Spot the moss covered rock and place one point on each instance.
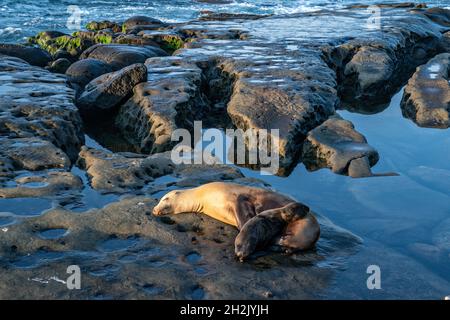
(102, 25)
(54, 41)
(168, 41)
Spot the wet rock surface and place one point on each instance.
(38, 104)
(33, 154)
(41, 185)
(60, 65)
(124, 241)
(275, 84)
(338, 146)
(372, 67)
(120, 172)
(426, 99)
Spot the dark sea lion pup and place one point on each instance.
(262, 229)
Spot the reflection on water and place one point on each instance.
(25, 206)
(402, 213)
(89, 197)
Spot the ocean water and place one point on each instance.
(23, 18)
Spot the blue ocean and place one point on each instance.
(24, 18)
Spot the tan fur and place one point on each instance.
(219, 200)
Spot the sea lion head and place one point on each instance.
(294, 211)
(167, 204)
(301, 234)
(244, 245)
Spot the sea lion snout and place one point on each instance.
(243, 247)
(165, 205)
(162, 209)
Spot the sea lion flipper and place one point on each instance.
(245, 210)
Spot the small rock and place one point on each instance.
(336, 144)
(59, 66)
(102, 25)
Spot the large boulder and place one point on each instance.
(273, 96)
(171, 98)
(84, 71)
(426, 99)
(109, 90)
(336, 145)
(32, 55)
(119, 56)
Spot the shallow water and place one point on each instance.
(21, 19)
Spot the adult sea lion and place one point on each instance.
(236, 204)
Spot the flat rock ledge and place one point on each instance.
(124, 252)
(426, 99)
(38, 105)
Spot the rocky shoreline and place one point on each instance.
(145, 79)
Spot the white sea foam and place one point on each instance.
(10, 31)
